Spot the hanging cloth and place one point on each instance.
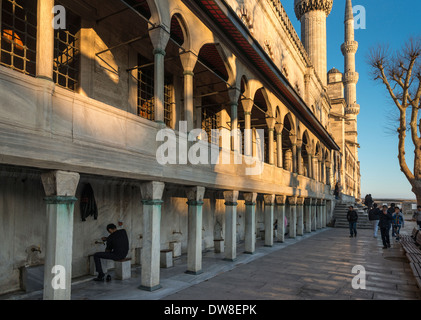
(87, 203)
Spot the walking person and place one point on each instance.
(417, 216)
(385, 220)
(352, 218)
(373, 216)
(398, 222)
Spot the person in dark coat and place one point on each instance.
(352, 218)
(373, 216)
(385, 221)
(116, 249)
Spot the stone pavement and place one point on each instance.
(315, 266)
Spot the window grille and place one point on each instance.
(146, 94)
(67, 53)
(168, 102)
(210, 120)
(19, 35)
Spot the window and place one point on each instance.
(66, 53)
(146, 93)
(210, 120)
(19, 35)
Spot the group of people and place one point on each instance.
(384, 219)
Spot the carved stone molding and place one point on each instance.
(301, 7)
(349, 47)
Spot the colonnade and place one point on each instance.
(304, 215)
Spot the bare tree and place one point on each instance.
(401, 74)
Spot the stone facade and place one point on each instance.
(93, 113)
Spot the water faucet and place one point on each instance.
(36, 249)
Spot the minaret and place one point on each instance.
(312, 15)
(349, 48)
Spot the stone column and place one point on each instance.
(151, 250)
(324, 214)
(300, 216)
(299, 157)
(269, 204)
(248, 136)
(231, 198)
(194, 242)
(271, 135)
(314, 215)
(159, 38)
(60, 189)
(234, 95)
(280, 205)
(250, 221)
(279, 128)
(45, 40)
(319, 214)
(294, 158)
(292, 220)
(188, 60)
(307, 215)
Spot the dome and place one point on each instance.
(333, 70)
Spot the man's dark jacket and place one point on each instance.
(373, 214)
(352, 216)
(385, 220)
(118, 243)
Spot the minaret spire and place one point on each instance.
(350, 79)
(349, 49)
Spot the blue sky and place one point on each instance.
(388, 22)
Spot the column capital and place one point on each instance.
(300, 201)
(292, 201)
(280, 200)
(231, 197)
(60, 183)
(250, 198)
(188, 61)
(247, 105)
(152, 191)
(195, 193)
(269, 199)
(159, 38)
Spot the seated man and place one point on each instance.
(117, 249)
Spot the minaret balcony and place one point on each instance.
(351, 77)
(349, 47)
(302, 7)
(352, 109)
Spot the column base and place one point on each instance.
(194, 273)
(150, 289)
(248, 252)
(268, 245)
(230, 260)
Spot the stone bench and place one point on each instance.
(412, 246)
(123, 269)
(166, 260)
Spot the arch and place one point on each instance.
(178, 30)
(288, 134)
(306, 153)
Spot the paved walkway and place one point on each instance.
(315, 266)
